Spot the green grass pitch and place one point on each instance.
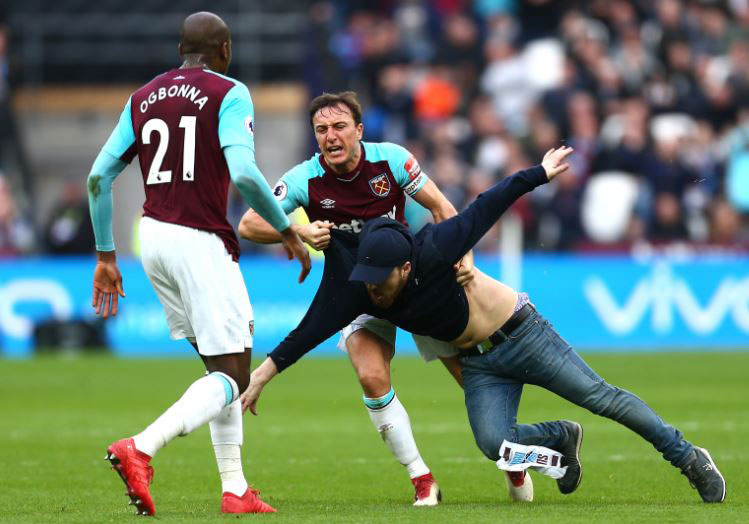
(316, 458)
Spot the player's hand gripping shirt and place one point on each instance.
(377, 187)
(178, 125)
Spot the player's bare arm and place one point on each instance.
(256, 228)
(253, 227)
(431, 198)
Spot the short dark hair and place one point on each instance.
(347, 98)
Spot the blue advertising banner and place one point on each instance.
(595, 302)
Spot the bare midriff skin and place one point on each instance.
(490, 305)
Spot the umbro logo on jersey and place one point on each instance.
(180, 77)
(380, 185)
(327, 203)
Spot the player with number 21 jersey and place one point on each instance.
(183, 119)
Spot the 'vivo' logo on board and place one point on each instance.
(666, 295)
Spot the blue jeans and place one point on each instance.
(535, 354)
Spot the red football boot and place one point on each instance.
(427, 491)
(132, 466)
(248, 503)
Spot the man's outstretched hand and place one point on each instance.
(263, 374)
(553, 162)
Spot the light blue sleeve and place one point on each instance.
(236, 115)
(405, 168)
(292, 190)
(123, 136)
(105, 169)
(253, 187)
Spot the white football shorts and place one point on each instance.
(429, 348)
(199, 286)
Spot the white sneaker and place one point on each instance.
(427, 491)
(520, 486)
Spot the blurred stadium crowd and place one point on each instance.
(653, 96)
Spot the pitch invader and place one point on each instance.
(346, 184)
(192, 130)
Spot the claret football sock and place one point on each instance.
(203, 401)
(390, 418)
(227, 437)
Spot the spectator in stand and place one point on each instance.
(16, 233)
(668, 224)
(487, 142)
(712, 36)
(460, 49)
(10, 139)
(670, 23)
(393, 102)
(738, 76)
(437, 96)
(685, 93)
(583, 134)
(447, 172)
(68, 230)
(665, 171)
(632, 59)
(630, 149)
(506, 82)
(725, 227)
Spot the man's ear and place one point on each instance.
(406, 267)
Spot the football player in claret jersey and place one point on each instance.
(347, 183)
(192, 130)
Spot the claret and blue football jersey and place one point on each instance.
(377, 187)
(178, 125)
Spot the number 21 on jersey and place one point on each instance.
(155, 174)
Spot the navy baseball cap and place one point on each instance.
(380, 250)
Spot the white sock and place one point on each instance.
(227, 437)
(390, 418)
(203, 401)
